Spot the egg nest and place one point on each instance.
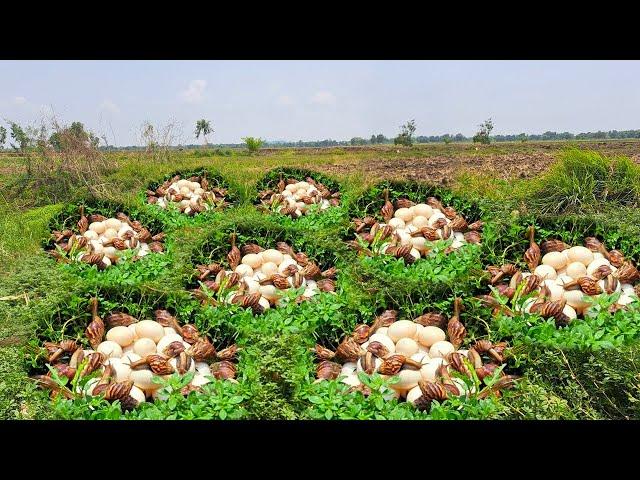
(408, 230)
(259, 278)
(191, 196)
(101, 241)
(562, 282)
(296, 198)
(130, 355)
(415, 351)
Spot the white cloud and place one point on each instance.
(109, 107)
(323, 98)
(194, 92)
(285, 100)
(19, 100)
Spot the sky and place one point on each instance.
(315, 100)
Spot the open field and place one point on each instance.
(587, 370)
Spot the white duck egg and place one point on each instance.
(109, 234)
(423, 210)
(563, 279)
(428, 371)
(408, 379)
(121, 335)
(199, 380)
(401, 329)
(144, 346)
(407, 347)
(405, 238)
(143, 379)
(137, 394)
(383, 330)
(264, 303)
(113, 223)
(90, 235)
(420, 221)
(285, 263)
(150, 329)
(546, 272)
(421, 357)
(431, 335)
(580, 254)
(576, 270)
(123, 370)
(254, 260)
(556, 290)
(404, 214)
(557, 260)
(441, 349)
(110, 349)
(576, 299)
(625, 299)
(351, 380)
(252, 285)
(570, 312)
(269, 268)
(132, 329)
(349, 368)
(98, 227)
(414, 394)
(270, 292)
(397, 223)
(627, 288)
(244, 270)
(273, 256)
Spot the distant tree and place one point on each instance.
(405, 137)
(446, 138)
(459, 138)
(522, 137)
(253, 144)
(380, 138)
(203, 127)
(75, 133)
(484, 132)
(3, 137)
(20, 137)
(358, 141)
(373, 140)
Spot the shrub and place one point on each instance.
(585, 182)
(253, 144)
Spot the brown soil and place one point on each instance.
(441, 169)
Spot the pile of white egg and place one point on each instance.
(293, 194)
(558, 269)
(126, 345)
(101, 235)
(260, 267)
(427, 345)
(188, 195)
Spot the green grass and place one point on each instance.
(587, 371)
